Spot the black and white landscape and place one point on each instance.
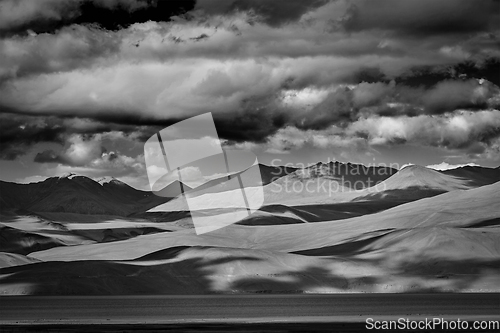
(376, 124)
(417, 230)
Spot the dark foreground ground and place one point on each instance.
(194, 328)
(244, 313)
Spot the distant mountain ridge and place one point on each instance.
(476, 175)
(349, 175)
(419, 176)
(268, 174)
(77, 194)
(72, 193)
(305, 186)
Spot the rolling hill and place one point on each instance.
(408, 184)
(348, 175)
(422, 177)
(319, 183)
(433, 244)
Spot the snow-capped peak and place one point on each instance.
(69, 175)
(446, 166)
(107, 179)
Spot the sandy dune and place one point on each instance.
(303, 188)
(13, 259)
(419, 176)
(25, 234)
(178, 270)
(23, 242)
(411, 183)
(446, 243)
(454, 209)
(195, 270)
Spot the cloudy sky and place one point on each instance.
(83, 83)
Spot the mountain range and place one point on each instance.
(108, 196)
(76, 194)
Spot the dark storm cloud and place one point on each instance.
(254, 120)
(39, 16)
(428, 76)
(261, 67)
(488, 69)
(11, 153)
(423, 17)
(253, 126)
(259, 117)
(424, 76)
(369, 75)
(345, 105)
(18, 133)
(451, 95)
(456, 130)
(391, 99)
(48, 156)
(273, 13)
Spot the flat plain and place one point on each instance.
(245, 308)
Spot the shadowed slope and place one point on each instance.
(23, 242)
(419, 176)
(455, 209)
(474, 175)
(282, 214)
(76, 194)
(319, 183)
(268, 174)
(419, 246)
(202, 270)
(408, 184)
(173, 190)
(25, 234)
(179, 270)
(340, 183)
(13, 259)
(415, 182)
(349, 175)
